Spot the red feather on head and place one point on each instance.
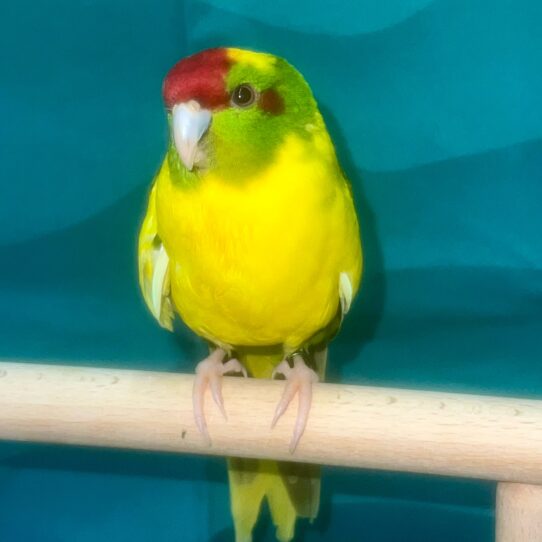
(199, 77)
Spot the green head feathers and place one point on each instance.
(230, 109)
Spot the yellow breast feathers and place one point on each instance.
(263, 262)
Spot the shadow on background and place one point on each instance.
(361, 323)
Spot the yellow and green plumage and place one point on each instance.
(257, 247)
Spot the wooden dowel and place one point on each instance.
(441, 433)
(518, 513)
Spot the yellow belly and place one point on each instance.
(258, 263)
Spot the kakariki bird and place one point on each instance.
(251, 237)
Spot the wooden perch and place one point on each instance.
(430, 432)
(484, 437)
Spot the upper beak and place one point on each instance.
(190, 122)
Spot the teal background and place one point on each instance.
(435, 109)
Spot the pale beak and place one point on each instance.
(190, 122)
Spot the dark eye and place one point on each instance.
(243, 95)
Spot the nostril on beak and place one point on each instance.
(193, 105)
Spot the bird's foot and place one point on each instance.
(299, 379)
(209, 372)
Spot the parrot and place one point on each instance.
(251, 237)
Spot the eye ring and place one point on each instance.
(243, 95)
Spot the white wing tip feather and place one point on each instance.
(346, 292)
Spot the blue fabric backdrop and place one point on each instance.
(435, 109)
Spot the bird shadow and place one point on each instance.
(361, 324)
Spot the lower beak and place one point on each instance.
(190, 122)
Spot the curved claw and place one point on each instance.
(300, 379)
(197, 404)
(209, 372)
(215, 383)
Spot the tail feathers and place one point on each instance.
(292, 490)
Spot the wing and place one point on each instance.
(153, 261)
